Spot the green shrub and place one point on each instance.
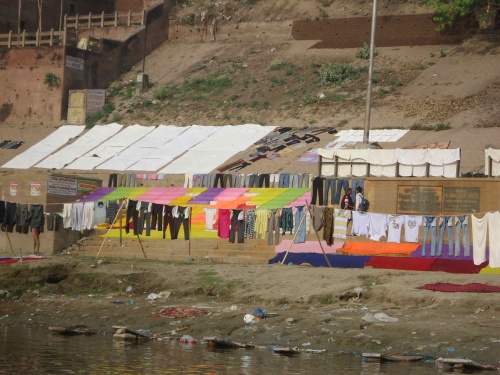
(277, 81)
(289, 68)
(364, 52)
(93, 119)
(166, 92)
(336, 73)
(108, 108)
(310, 99)
(51, 80)
(435, 128)
(212, 84)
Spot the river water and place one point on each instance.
(37, 351)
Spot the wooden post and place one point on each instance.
(65, 36)
(317, 235)
(102, 20)
(129, 17)
(111, 227)
(490, 165)
(90, 20)
(116, 18)
(143, 19)
(76, 21)
(37, 38)
(51, 43)
(12, 249)
(65, 21)
(23, 38)
(9, 42)
(121, 227)
(142, 248)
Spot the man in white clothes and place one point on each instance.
(359, 197)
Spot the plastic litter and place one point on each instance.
(385, 318)
(154, 296)
(259, 314)
(248, 318)
(128, 289)
(188, 339)
(378, 317)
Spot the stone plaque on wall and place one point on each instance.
(461, 200)
(423, 200)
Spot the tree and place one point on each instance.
(448, 10)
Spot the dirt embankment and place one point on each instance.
(309, 307)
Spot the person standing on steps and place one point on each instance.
(359, 197)
(347, 203)
(36, 222)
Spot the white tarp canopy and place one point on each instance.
(82, 145)
(494, 154)
(110, 148)
(144, 148)
(215, 150)
(412, 162)
(44, 148)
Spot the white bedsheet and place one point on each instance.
(143, 148)
(215, 150)
(82, 145)
(44, 148)
(177, 146)
(110, 148)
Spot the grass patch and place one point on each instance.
(210, 85)
(436, 128)
(277, 81)
(337, 73)
(310, 99)
(289, 68)
(166, 92)
(364, 52)
(211, 284)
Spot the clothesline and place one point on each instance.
(257, 207)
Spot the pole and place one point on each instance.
(366, 133)
(19, 17)
(145, 41)
(111, 227)
(61, 16)
(11, 248)
(293, 239)
(142, 248)
(40, 5)
(121, 228)
(317, 235)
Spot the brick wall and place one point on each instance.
(390, 31)
(25, 97)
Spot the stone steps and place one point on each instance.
(255, 251)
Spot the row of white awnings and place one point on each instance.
(390, 162)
